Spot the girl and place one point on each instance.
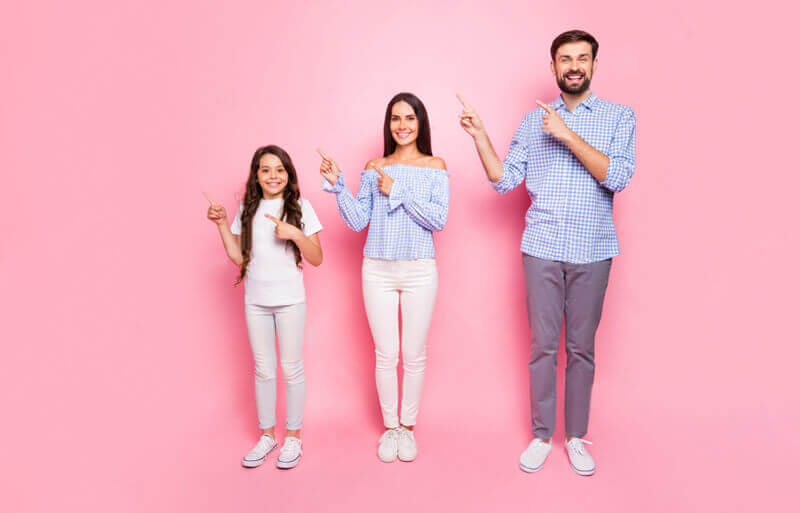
(403, 197)
(272, 232)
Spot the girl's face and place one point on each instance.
(403, 124)
(272, 176)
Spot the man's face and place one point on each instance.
(574, 67)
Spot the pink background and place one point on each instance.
(126, 378)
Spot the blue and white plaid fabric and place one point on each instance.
(400, 224)
(569, 219)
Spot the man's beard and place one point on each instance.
(579, 89)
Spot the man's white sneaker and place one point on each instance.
(407, 450)
(532, 458)
(290, 453)
(579, 458)
(257, 454)
(388, 446)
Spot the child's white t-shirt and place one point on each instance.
(273, 278)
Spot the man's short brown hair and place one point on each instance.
(572, 36)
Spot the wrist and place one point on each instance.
(569, 137)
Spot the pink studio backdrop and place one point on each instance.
(127, 382)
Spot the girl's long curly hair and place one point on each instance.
(292, 213)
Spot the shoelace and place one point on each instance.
(291, 446)
(405, 434)
(536, 444)
(263, 443)
(578, 447)
(389, 433)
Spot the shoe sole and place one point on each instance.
(406, 459)
(585, 473)
(286, 465)
(531, 470)
(256, 463)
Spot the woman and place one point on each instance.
(271, 234)
(403, 197)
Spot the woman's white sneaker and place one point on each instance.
(257, 454)
(533, 457)
(388, 446)
(407, 446)
(579, 458)
(290, 453)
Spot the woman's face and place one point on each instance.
(272, 176)
(403, 124)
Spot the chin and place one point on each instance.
(405, 142)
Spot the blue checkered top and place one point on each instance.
(400, 224)
(569, 219)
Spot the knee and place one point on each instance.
(293, 371)
(386, 359)
(580, 348)
(579, 352)
(543, 349)
(263, 370)
(414, 361)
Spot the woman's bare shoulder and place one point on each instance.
(376, 162)
(435, 162)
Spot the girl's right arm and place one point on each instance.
(232, 243)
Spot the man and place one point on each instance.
(573, 155)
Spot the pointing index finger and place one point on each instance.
(210, 201)
(545, 106)
(322, 154)
(272, 218)
(463, 101)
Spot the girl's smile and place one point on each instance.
(272, 176)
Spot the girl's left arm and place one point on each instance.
(310, 247)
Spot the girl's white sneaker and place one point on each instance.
(258, 453)
(407, 450)
(290, 453)
(388, 446)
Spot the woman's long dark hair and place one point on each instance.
(423, 126)
(291, 213)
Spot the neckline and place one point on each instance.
(409, 165)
